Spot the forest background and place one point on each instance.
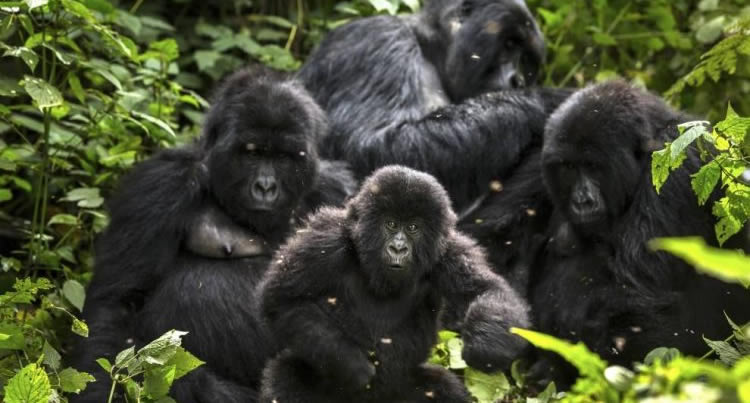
(90, 87)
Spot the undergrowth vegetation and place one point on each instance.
(90, 87)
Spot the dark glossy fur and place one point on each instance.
(352, 331)
(600, 283)
(146, 281)
(420, 92)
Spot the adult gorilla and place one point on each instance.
(598, 282)
(424, 91)
(192, 233)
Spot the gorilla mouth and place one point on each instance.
(396, 267)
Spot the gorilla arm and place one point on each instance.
(491, 306)
(143, 237)
(304, 274)
(397, 113)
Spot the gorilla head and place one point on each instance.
(400, 220)
(259, 141)
(596, 148)
(491, 45)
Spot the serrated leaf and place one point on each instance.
(43, 94)
(704, 181)
(162, 349)
(167, 49)
(660, 163)
(72, 381)
(29, 385)
(184, 362)
(124, 356)
(11, 337)
(51, 356)
(727, 354)
(727, 265)
(74, 293)
(486, 388)
(734, 126)
(80, 328)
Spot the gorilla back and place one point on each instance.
(192, 232)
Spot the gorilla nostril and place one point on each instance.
(517, 81)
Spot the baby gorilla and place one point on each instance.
(354, 298)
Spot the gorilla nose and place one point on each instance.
(265, 189)
(517, 81)
(397, 249)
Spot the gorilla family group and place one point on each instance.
(297, 284)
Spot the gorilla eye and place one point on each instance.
(390, 224)
(412, 228)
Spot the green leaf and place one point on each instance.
(455, 347)
(5, 194)
(690, 131)
(78, 9)
(102, 6)
(733, 126)
(167, 49)
(80, 328)
(124, 356)
(11, 337)
(64, 219)
(724, 264)
(72, 381)
(29, 385)
(486, 388)
(85, 197)
(704, 181)
(604, 39)
(184, 362)
(158, 122)
(27, 55)
(74, 293)
(51, 356)
(206, 59)
(588, 363)
(662, 354)
(43, 94)
(728, 354)
(711, 31)
(32, 4)
(105, 364)
(76, 88)
(159, 351)
(619, 377)
(156, 381)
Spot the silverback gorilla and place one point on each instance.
(597, 281)
(192, 233)
(427, 91)
(353, 299)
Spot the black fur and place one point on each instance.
(157, 266)
(597, 280)
(432, 92)
(354, 330)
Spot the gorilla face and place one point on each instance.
(261, 154)
(401, 217)
(494, 45)
(593, 156)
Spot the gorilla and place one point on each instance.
(596, 280)
(353, 299)
(193, 229)
(443, 91)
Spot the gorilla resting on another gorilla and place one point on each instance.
(353, 298)
(192, 233)
(597, 281)
(425, 91)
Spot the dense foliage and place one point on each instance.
(89, 87)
